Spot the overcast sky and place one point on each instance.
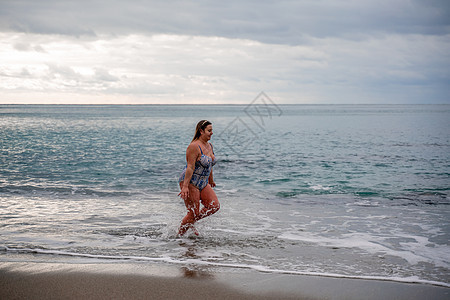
(312, 51)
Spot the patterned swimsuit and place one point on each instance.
(202, 169)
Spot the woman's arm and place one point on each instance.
(211, 179)
(191, 158)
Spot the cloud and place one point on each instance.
(164, 68)
(281, 22)
(339, 51)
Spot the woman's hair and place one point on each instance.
(200, 126)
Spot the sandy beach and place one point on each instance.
(134, 280)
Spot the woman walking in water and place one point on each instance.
(196, 181)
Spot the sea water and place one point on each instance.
(358, 191)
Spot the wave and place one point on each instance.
(193, 261)
(407, 198)
(55, 190)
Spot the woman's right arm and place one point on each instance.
(191, 158)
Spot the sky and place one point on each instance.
(224, 52)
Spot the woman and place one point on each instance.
(196, 181)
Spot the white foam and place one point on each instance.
(413, 252)
(260, 268)
(438, 254)
(365, 203)
(229, 230)
(319, 187)
(228, 191)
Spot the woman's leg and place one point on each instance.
(210, 202)
(193, 207)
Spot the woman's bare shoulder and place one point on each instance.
(193, 144)
(193, 147)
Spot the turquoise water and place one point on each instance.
(337, 190)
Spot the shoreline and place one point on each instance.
(141, 280)
(42, 255)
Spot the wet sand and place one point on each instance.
(134, 280)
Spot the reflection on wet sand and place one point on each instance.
(194, 271)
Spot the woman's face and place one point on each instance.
(207, 132)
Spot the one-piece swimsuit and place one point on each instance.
(202, 169)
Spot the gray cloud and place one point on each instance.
(28, 47)
(340, 51)
(285, 22)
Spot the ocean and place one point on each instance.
(355, 191)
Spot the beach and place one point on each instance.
(134, 280)
(323, 202)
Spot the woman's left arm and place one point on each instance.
(211, 179)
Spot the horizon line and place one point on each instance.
(211, 104)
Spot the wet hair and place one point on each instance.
(200, 126)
